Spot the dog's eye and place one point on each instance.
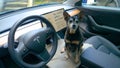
(70, 21)
(76, 21)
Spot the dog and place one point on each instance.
(73, 38)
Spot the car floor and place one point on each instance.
(59, 60)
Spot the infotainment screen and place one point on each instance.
(57, 19)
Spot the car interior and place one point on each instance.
(33, 36)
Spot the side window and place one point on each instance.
(107, 3)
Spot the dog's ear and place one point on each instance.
(66, 16)
(80, 15)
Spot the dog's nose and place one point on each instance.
(73, 26)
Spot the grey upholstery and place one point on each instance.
(99, 52)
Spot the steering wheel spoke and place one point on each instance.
(46, 33)
(21, 50)
(44, 56)
(49, 33)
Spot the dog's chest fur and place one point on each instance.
(71, 37)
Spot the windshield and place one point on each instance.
(12, 5)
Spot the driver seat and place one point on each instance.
(98, 52)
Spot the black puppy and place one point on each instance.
(73, 37)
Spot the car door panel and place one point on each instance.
(103, 28)
(103, 21)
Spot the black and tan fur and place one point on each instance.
(73, 38)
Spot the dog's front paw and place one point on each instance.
(63, 50)
(77, 60)
(78, 65)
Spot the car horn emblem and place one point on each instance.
(37, 39)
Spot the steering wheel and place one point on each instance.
(32, 42)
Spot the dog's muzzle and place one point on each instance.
(73, 26)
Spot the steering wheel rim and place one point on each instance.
(16, 55)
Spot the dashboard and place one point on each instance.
(54, 16)
(57, 19)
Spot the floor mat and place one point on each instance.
(59, 60)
